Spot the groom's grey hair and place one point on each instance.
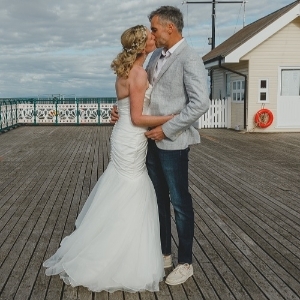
(169, 14)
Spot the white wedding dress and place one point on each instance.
(116, 244)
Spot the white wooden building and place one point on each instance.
(259, 67)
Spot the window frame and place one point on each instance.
(281, 69)
(238, 91)
(262, 90)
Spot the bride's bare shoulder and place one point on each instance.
(137, 73)
(122, 87)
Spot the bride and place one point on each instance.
(116, 244)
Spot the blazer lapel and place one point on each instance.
(151, 67)
(170, 60)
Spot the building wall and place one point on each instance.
(219, 86)
(280, 50)
(220, 90)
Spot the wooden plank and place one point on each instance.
(65, 222)
(190, 288)
(250, 246)
(147, 296)
(101, 296)
(216, 248)
(116, 296)
(245, 189)
(244, 248)
(84, 294)
(210, 186)
(80, 188)
(59, 195)
(19, 247)
(35, 234)
(259, 211)
(96, 159)
(278, 210)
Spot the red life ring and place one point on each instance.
(263, 118)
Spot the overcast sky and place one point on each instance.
(66, 46)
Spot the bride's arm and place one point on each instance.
(137, 90)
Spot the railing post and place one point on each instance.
(99, 112)
(77, 110)
(10, 121)
(17, 115)
(0, 116)
(6, 115)
(56, 121)
(34, 112)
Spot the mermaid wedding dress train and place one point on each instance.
(116, 244)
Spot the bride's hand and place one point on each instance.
(114, 116)
(155, 134)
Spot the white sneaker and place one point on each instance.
(167, 261)
(180, 274)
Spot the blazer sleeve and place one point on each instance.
(196, 91)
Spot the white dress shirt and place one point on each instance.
(163, 58)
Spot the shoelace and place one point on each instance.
(179, 267)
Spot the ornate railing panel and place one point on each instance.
(105, 109)
(88, 113)
(25, 113)
(8, 114)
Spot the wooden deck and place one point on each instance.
(246, 191)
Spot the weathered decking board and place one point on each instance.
(246, 192)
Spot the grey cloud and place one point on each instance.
(66, 47)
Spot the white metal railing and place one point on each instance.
(55, 111)
(80, 113)
(8, 114)
(89, 111)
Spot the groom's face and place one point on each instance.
(160, 32)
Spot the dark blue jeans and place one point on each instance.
(168, 170)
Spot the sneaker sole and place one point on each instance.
(176, 283)
(168, 266)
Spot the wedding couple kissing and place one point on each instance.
(122, 239)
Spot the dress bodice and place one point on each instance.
(124, 104)
(128, 142)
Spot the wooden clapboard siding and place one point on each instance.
(265, 61)
(246, 193)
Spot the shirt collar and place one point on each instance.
(172, 49)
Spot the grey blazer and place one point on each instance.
(180, 88)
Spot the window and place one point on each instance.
(263, 91)
(290, 82)
(238, 90)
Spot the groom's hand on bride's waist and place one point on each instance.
(155, 134)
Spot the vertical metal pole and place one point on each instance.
(213, 42)
(213, 38)
(244, 20)
(213, 18)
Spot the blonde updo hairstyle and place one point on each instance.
(133, 41)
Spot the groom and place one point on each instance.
(179, 87)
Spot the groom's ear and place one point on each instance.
(170, 27)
